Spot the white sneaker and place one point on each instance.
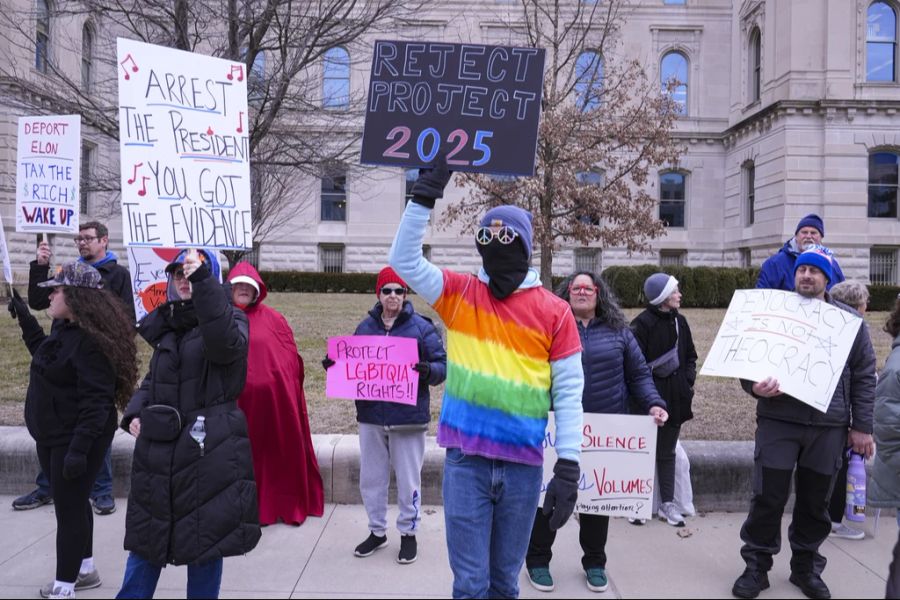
(59, 592)
(839, 530)
(668, 512)
(636, 521)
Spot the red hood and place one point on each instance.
(247, 270)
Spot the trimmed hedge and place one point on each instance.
(883, 297)
(304, 281)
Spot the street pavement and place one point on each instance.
(316, 560)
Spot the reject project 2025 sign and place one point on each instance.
(481, 103)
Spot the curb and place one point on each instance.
(720, 471)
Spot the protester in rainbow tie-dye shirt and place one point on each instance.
(513, 350)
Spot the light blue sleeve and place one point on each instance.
(406, 254)
(567, 383)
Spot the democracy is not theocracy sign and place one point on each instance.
(480, 103)
(184, 146)
(801, 342)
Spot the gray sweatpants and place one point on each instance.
(380, 450)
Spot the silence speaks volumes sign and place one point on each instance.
(48, 174)
(801, 342)
(185, 152)
(482, 103)
(618, 461)
(373, 367)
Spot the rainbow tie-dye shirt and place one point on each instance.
(497, 392)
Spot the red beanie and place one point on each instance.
(385, 276)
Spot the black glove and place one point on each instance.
(432, 181)
(562, 492)
(327, 363)
(423, 368)
(17, 307)
(74, 465)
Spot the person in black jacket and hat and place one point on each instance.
(193, 497)
(79, 374)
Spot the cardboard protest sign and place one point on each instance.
(373, 367)
(801, 342)
(48, 174)
(482, 102)
(185, 152)
(618, 462)
(4, 254)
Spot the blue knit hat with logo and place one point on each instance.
(818, 257)
(517, 219)
(811, 220)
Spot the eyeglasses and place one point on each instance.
(87, 239)
(583, 289)
(505, 234)
(178, 275)
(388, 291)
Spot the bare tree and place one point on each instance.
(605, 125)
(294, 126)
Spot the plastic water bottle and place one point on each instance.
(198, 432)
(856, 488)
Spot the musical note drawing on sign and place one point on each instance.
(134, 67)
(240, 127)
(143, 190)
(240, 72)
(133, 177)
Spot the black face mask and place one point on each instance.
(506, 265)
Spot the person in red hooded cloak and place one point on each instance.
(288, 482)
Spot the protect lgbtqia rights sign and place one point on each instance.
(801, 342)
(373, 367)
(184, 149)
(48, 174)
(480, 102)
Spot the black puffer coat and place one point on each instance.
(185, 508)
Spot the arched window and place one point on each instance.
(87, 57)
(588, 80)
(883, 185)
(881, 42)
(336, 82)
(672, 198)
(41, 35)
(755, 68)
(673, 70)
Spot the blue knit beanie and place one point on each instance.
(811, 220)
(517, 219)
(818, 257)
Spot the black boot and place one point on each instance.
(811, 585)
(750, 584)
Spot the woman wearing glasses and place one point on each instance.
(393, 435)
(614, 371)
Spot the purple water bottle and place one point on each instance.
(856, 488)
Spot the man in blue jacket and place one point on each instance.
(777, 272)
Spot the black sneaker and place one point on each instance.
(408, 549)
(104, 505)
(372, 543)
(750, 584)
(33, 500)
(811, 585)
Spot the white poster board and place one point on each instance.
(618, 462)
(48, 174)
(4, 254)
(147, 267)
(801, 342)
(185, 152)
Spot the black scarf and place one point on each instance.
(506, 265)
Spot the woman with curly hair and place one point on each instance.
(80, 373)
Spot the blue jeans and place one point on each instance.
(102, 485)
(488, 508)
(203, 580)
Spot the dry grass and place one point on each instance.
(722, 410)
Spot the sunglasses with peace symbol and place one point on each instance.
(505, 235)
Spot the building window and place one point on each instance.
(883, 266)
(672, 258)
(332, 258)
(87, 57)
(334, 196)
(672, 199)
(588, 80)
(41, 35)
(881, 42)
(256, 78)
(746, 260)
(749, 177)
(673, 76)
(336, 81)
(87, 160)
(755, 66)
(883, 185)
(426, 252)
(587, 259)
(588, 214)
(410, 178)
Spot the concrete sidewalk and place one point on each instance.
(316, 560)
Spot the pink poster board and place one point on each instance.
(373, 367)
